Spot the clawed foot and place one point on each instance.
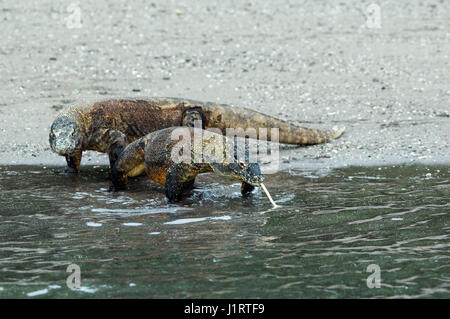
(174, 196)
(246, 189)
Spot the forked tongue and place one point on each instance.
(268, 196)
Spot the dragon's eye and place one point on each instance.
(242, 164)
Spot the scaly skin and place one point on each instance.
(109, 126)
(156, 155)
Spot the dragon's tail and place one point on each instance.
(221, 117)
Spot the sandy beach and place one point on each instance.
(318, 65)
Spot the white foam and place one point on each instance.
(54, 287)
(37, 293)
(138, 211)
(132, 224)
(85, 289)
(93, 224)
(196, 220)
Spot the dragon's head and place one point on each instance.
(240, 170)
(64, 135)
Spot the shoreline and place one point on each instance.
(289, 159)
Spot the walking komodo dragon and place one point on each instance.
(109, 126)
(175, 162)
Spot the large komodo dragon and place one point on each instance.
(109, 126)
(173, 158)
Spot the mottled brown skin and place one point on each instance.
(109, 126)
(153, 154)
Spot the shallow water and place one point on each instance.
(330, 227)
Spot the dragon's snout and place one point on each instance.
(256, 180)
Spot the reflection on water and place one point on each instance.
(330, 227)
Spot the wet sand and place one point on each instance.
(315, 64)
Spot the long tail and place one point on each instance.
(224, 116)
